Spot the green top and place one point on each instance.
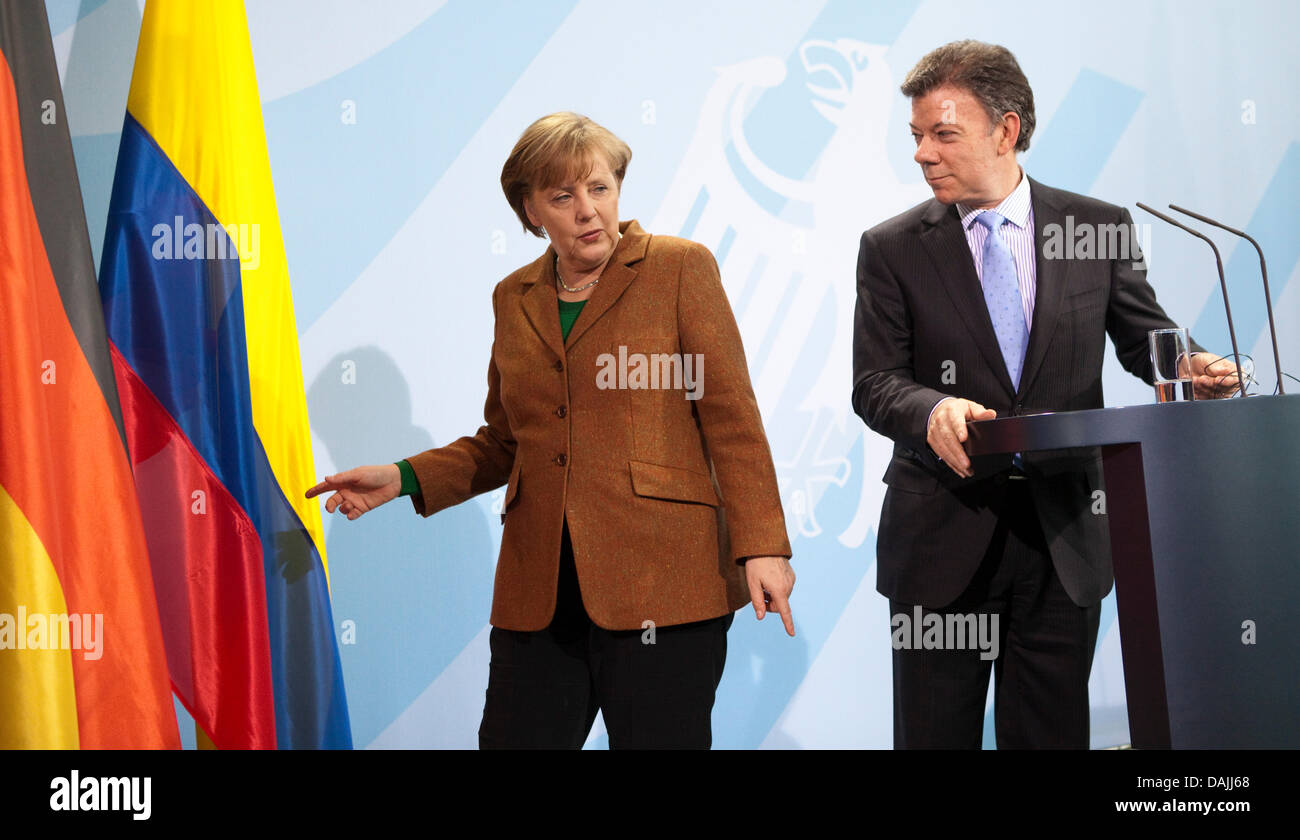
(410, 484)
(569, 310)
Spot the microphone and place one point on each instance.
(1263, 270)
(1223, 284)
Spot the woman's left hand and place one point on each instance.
(770, 581)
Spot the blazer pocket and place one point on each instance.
(654, 363)
(656, 481)
(512, 490)
(1085, 298)
(647, 343)
(908, 475)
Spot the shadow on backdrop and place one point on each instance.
(417, 590)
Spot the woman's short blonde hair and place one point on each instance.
(554, 150)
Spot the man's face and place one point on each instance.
(963, 157)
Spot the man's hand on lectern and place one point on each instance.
(1214, 377)
(947, 431)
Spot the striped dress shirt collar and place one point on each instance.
(1015, 208)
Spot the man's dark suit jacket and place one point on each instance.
(922, 332)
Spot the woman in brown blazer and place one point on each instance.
(641, 506)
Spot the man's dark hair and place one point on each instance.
(990, 72)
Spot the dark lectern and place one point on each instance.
(1203, 503)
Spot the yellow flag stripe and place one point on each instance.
(205, 114)
(37, 691)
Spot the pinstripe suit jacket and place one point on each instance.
(664, 495)
(922, 332)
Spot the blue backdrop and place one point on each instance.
(772, 132)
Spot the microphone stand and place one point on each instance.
(1223, 284)
(1263, 270)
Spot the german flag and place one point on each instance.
(82, 662)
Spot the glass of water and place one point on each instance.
(1171, 364)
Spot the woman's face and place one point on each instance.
(580, 218)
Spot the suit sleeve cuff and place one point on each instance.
(743, 560)
(931, 417)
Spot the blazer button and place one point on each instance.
(559, 365)
(561, 411)
(561, 459)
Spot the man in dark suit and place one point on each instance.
(972, 306)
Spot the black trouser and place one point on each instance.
(545, 687)
(1045, 647)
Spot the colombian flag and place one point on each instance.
(81, 651)
(205, 350)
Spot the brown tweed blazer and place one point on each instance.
(657, 535)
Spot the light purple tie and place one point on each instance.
(1002, 295)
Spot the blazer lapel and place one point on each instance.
(1051, 280)
(945, 241)
(539, 302)
(614, 280)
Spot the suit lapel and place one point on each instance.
(945, 242)
(1051, 280)
(614, 280)
(539, 302)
